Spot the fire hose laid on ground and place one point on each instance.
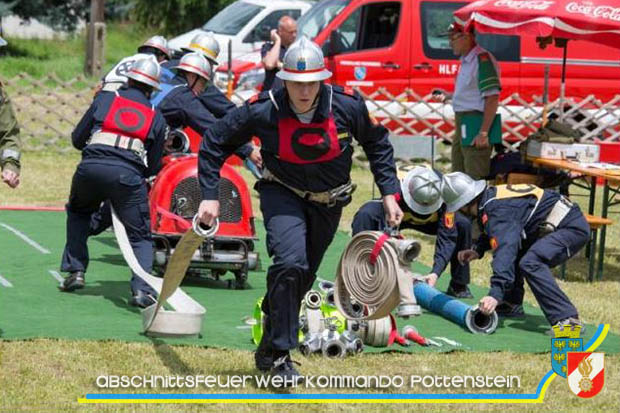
(186, 316)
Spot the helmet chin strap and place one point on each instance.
(194, 84)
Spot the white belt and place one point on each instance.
(119, 141)
(557, 214)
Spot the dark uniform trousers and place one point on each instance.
(371, 217)
(298, 234)
(126, 190)
(539, 255)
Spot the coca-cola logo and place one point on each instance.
(597, 12)
(527, 4)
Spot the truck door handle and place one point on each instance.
(423, 66)
(390, 65)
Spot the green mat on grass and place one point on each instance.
(31, 306)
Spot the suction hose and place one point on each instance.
(469, 317)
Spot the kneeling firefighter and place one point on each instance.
(529, 230)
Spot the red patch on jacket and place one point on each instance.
(448, 220)
(493, 242)
(253, 99)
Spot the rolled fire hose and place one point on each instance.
(187, 315)
(469, 317)
(374, 272)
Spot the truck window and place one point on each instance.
(260, 33)
(372, 26)
(436, 17)
(233, 18)
(319, 16)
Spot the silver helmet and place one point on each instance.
(303, 62)
(459, 189)
(146, 71)
(421, 190)
(157, 42)
(205, 44)
(195, 63)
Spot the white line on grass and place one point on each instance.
(56, 275)
(4, 282)
(23, 236)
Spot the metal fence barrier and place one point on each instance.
(49, 108)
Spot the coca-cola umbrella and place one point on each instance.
(593, 20)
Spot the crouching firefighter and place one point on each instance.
(424, 211)
(207, 45)
(529, 230)
(121, 137)
(307, 130)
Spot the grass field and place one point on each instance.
(65, 58)
(52, 374)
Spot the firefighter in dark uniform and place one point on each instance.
(181, 107)
(10, 144)
(211, 97)
(529, 230)
(424, 211)
(307, 130)
(121, 137)
(179, 104)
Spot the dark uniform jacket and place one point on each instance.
(509, 225)
(92, 121)
(181, 108)
(311, 157)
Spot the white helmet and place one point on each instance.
(195, 63)
(459, 189)
(303, 62)
(145, 71)
(157, 42)
(421, 190)
(206, 45)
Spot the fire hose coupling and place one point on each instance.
(408, 250)
(374, 272)
(203, 230)
(330, 343)
(313, 300)
(177, 142)
(479, 323)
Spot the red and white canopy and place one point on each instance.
(594, 20)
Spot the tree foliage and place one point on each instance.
(59, 14)
(173, 17)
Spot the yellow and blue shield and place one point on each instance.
(559, 348)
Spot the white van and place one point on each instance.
(246, 22)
